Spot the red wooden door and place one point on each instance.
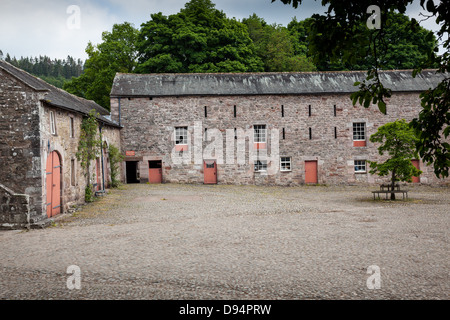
(49, 183)
(210, 172)
(53, 181)
(416, 164)
(155, 171)
(56, 191)
(311, 172)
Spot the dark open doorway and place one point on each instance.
(132, 168)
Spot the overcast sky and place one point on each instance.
(49, 27)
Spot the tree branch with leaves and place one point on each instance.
(398, 140)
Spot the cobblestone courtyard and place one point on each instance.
(236, 242)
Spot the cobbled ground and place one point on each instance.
(173, 241)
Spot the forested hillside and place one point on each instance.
(54, 71)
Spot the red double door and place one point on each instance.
(53, 181)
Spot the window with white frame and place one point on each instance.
(259, 133)
(181, 134)
(260, 165)
(359, 131)
(360, 166)
(52, 123)
(285, 163)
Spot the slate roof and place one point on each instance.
(129, 85)
(57, 97)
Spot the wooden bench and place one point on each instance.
(386, 189)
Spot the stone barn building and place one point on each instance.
(39, 133)
(257, 128)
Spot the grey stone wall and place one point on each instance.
(66, 145)
(25, 143)
(14, 209)
(20, 166)
(149, 125)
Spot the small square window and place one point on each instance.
(259, 133)
(260, 165)
(360, 166)
(285, 163)
(359, 131)
(181, 135)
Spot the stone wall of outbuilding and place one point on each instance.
(149, 124)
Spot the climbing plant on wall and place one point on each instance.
(115, 158)
(88, 149)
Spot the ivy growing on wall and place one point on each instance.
(88, 149)
(115, 158)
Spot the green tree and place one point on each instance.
(117, 53)
(49, 70)
(89, 147)
(398, 140)
(276, 47)
(199, 38)
(340, 35)
(404, 47)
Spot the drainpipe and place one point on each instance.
(119, 110)
(101, 157)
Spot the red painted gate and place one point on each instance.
(53, 181)
(210, 172)
(311, 172)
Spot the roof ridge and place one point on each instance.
(265, 73)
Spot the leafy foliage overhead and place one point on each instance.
(279, 49)
(199, 38)
(117, 53)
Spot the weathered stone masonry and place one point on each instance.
(27, 105)
(316, 104)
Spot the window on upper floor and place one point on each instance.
(259, 133)
(52, 123)
(359, 134)
(181, 134)
(359, 131)
(72, 128)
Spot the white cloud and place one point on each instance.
(40, 28)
